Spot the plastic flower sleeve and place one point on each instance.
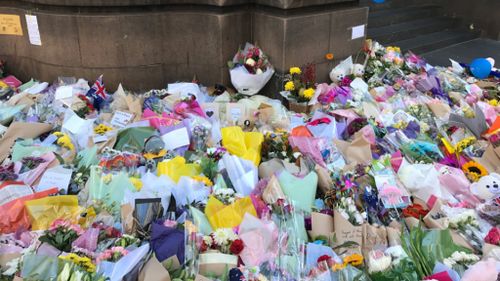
(300, 191)
(242, 173)
(45, 210)
(260, 239)
(39, 267)
(228, 216)
(108, 189)
(246, 145)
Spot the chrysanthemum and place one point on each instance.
(289, 86)
(295, 70)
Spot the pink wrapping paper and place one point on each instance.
(456, 183)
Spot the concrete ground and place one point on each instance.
(465, 52)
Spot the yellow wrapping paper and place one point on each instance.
(177, 167)
(228, 216)
(45, 210)
(246, 145)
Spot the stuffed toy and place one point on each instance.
(337, 74)
(487, 188)
(358, 70)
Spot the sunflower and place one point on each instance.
(474, 171)
(338, 266)
(206, 181)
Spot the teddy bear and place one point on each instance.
(358, 70)
(487, 188)
(338, 74)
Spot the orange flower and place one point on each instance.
(329, 56)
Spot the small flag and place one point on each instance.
(98, 93)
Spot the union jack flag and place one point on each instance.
(98, 93)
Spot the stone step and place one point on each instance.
(399, 15)
(436, 40)
(409, 29)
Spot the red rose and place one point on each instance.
(203, 246)
(236, 247)
(324, 258)
(493, 236)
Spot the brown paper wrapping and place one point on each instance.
(321, 225)
(125, 102)
(490, 159)
(275, 166)
(393, 236)
(153, 270)
(440, 109)
(459, 240)
(441, 223)
(20, 130)
(273, 191)
(299, 107)
(412, 222)
(345, 232)
(23, 98)
(373, 236)
(490, 248)
(325, 182)
(101, 145)
(356, 152)
(127, 219)
(5, 258)
(202, 278)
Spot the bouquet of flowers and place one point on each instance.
(61, 235)
(299, 84)
(250, 70)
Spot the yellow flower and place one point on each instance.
(308, 93)
(338, 266)
(289, 86)
(204, 180)
(295, 70)
(463, 144)
(64, 140)
(389, 49)
(101, 129)
(354, 260)
(397, 49)
(474, 171)
(107, 178)
(493, 102)
(136, 182)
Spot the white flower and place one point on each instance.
(358, 218)
(352, 208)
(344, 214)
(12, 266)
(223, 236)
(250, 62)
(449, 262)
(379, 264)
(207, 240)
(259, 71)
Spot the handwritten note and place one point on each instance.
(121, 119)
(55, 177)
(10, 25)
(33, 31)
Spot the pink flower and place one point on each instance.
(170, 223)
(493, 236)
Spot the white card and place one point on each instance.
(176, 138)
(358, 31)
(64, 92)
(37, 88)
(100, 138)
(55, 177)
(33, 32)
(74, 124)
(235, 113)
(121, 119)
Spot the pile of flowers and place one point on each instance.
(390, 172)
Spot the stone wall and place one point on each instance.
(150, 43)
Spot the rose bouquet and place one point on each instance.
(61, 234)
(250, 70)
